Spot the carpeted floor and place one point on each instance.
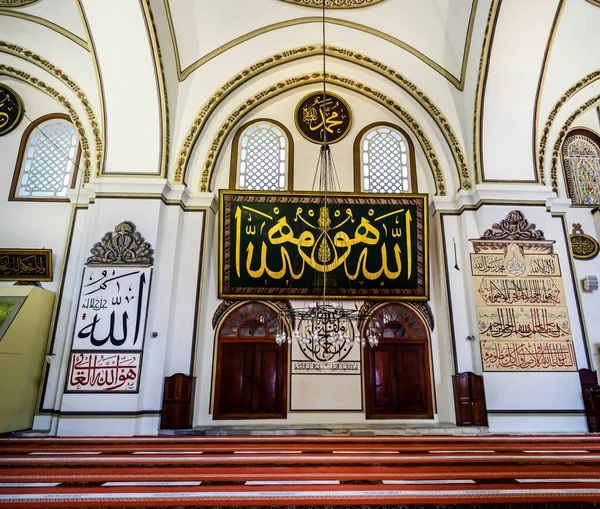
(538, 471)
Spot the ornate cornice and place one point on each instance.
(365, 61)
(513, 227)
(124, 246)
(40, 85)
(333, 4)
(581, 84)
(307, 79)
(30, 56)
(488, 37)
(561, 138)
(162, 87)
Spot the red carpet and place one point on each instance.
(538, 471)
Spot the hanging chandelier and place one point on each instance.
(325, 329)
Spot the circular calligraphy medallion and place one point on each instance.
(584, 247)
(313, 118)
(11, 109)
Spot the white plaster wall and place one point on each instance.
(133, 129)
(574, 52)
(519, 392)
(56, 48)
(443, 42)
(513, 76)
(31, 224)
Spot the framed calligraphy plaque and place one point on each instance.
(11, 109)
(107, 371)
(314, 117)
(583, 246)
(288, 245)
(25, 264)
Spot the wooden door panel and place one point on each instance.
(237, 361)
(412, 398)
(381, 385)
(268, 379)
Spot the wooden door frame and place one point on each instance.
(427, 361)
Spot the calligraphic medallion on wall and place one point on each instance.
(334, 4)
(583, 246)
(284, 245)
(317, 119)
(11, 109)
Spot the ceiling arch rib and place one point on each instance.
(297, 81)
(294, 54)
(47, 24)
(29, 56)
(40, 85)
(457, 81)
(564, 98)
(590, 103)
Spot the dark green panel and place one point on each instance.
(291, 245)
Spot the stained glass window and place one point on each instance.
(253, 319)
(396, 321)
(263, 151)
(48, 157)
(581, 158)
(385, 160)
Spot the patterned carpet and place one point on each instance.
(536, 471)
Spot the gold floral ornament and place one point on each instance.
(124, 246)
(334, 4)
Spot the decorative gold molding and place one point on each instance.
(17, 3)
(486, 49)
(48, 24)
(307, 79)
(594, 2)
(538, 93)
(161, 83)
(30, 56)
(40, 85)
(571, 91)
(99, 83)
(329, 4)
(459, 83)
(335, 52)
(590, 103)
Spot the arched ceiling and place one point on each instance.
(148, 69)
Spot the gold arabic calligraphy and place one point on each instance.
(321, 250)
(316, 117)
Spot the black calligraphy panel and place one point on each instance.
(11, 109)
(316, 118)
(25, 264)
(296, 245)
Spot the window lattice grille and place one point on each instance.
(581, 156)
(263, 158)
(384, 164)
(47, 167)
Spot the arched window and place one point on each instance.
(262, 157)
(581, 160)
(384, 160)
(48, 159)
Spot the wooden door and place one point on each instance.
(251, 369)
(177, 402)
(397, 374)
